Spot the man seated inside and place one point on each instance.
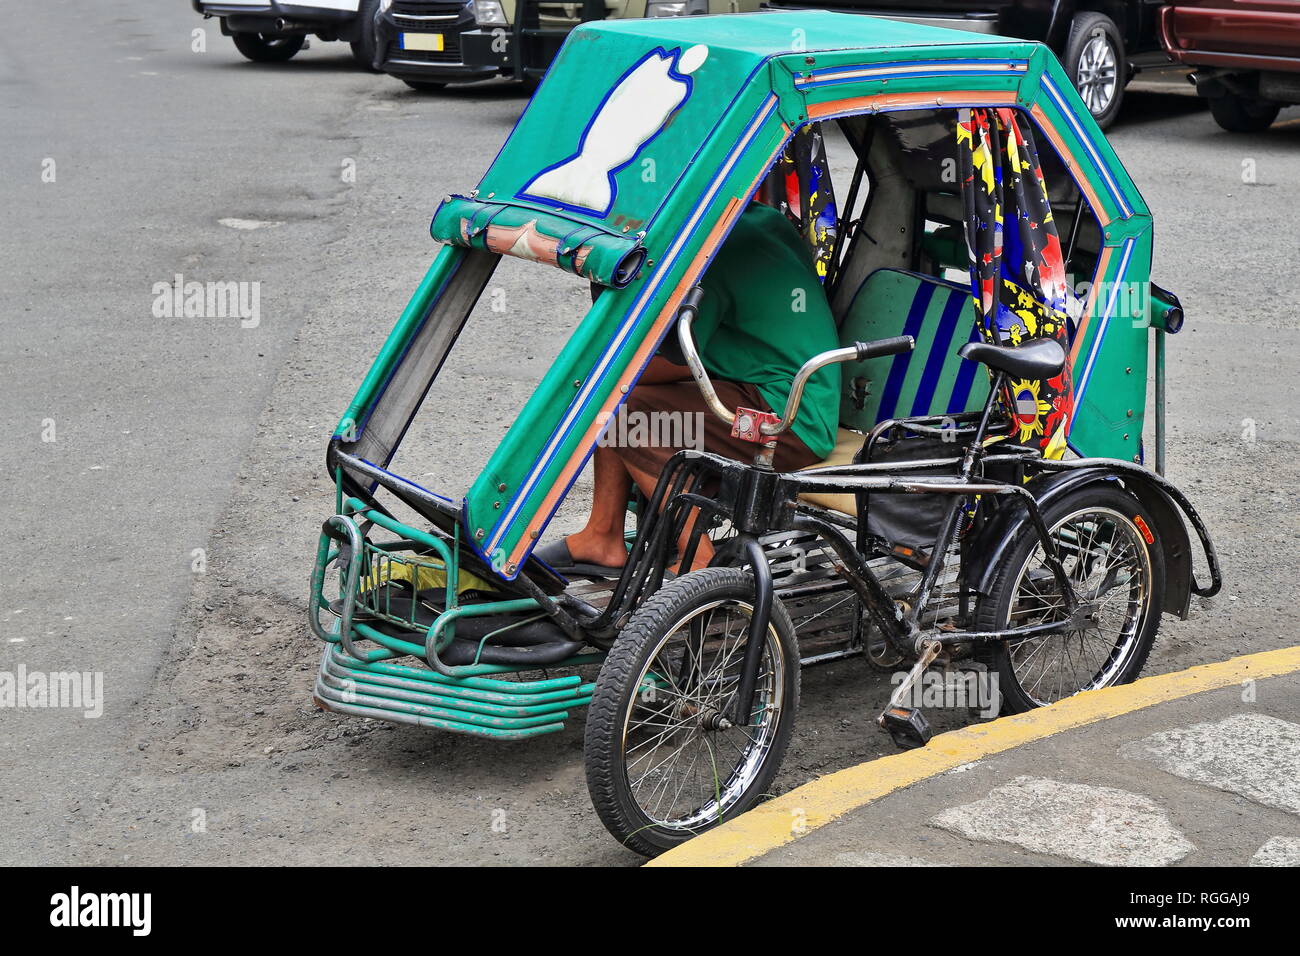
(762, 316)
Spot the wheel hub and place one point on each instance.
(712, 720)
(1096, 74)
(1085, 616)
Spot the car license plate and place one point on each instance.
(423, 41)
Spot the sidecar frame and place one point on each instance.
(768, 76)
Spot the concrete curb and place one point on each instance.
(819, 802)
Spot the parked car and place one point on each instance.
(1246, 56)
(1101, 43)
(272, 31)
(421, 42)
(430, 43)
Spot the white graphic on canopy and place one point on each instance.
(635, 110)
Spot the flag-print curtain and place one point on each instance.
(1017, 272)
(808, 197)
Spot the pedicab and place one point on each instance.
(989, 501)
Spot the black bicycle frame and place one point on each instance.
(757, 501)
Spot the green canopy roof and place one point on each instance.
(599, 56)
(633, 160)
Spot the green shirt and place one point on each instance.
(764, 314)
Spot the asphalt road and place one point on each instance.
(164, 536)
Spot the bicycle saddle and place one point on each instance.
(1034, 360)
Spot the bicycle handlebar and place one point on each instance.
(857, 352)
(895, 346)
(686, 314)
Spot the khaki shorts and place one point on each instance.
(661, 420)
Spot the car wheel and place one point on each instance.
(425, 86)
(261, 48)
(1094, 58)
(1243, 114)
(363, 47)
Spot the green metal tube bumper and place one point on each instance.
(479, 705)
(485, 700)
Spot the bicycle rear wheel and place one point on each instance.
(1116, 564)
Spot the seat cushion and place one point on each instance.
(847, 444)
(1033, 360)
(930, 380)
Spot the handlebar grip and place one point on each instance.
(894, 346)
(691, 302)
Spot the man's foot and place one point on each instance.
(584, 555)
(604, 550)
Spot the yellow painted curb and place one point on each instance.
(817, 803)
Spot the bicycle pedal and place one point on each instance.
(907, 726)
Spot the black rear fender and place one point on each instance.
(1161, 500)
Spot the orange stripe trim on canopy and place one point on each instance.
(1063, 151)
(895, 101)
(1090, 307)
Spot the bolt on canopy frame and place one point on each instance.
(630, 166)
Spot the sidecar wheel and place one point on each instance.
(662, 762)
(1101, 533)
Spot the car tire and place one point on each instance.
(363, 47)
(1243, 114)
(261, 48)
(1097, 65)
(425, 86)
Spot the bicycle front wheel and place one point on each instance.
(665, 758)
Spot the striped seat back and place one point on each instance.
(930, 380)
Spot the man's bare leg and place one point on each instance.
(601, 541)
(704, 550)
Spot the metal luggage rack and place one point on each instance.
(359, 672)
